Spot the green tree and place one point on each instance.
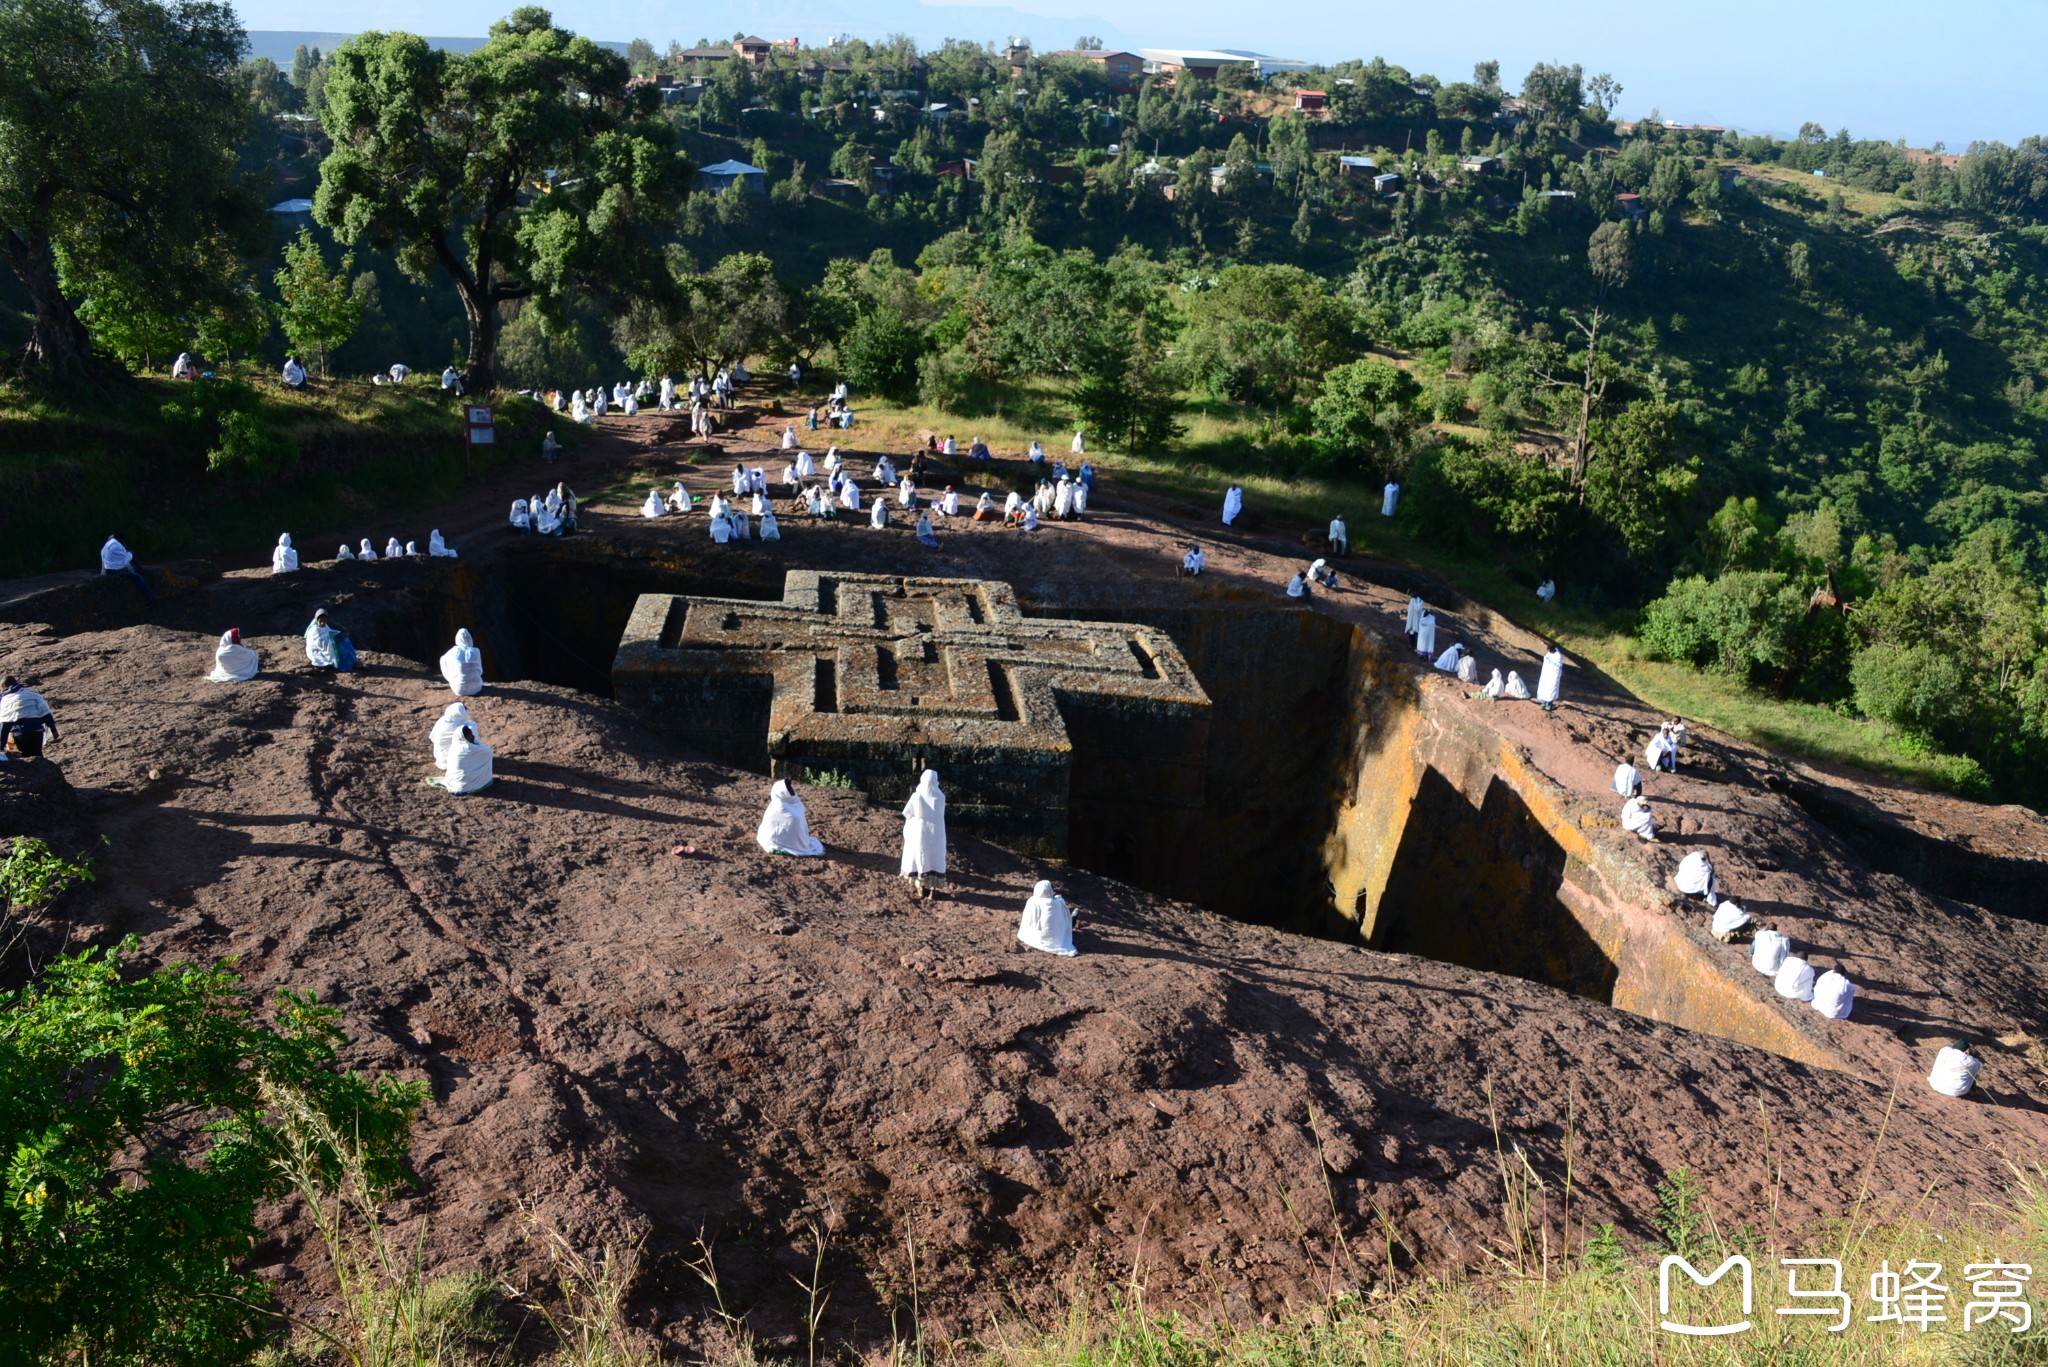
(139, 1141)
(521, 170)
(1640, 484)
(1554, 94)
(705, 322)
(121, 120)
(317, 309)
(1364, 416)
(1266, 334)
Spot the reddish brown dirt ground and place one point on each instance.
(642, 1043)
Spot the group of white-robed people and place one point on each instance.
(1047, 922)
(1420, 626)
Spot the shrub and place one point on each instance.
(1742, 624)
(121, 1219)
(1915, 688)
(880, 354)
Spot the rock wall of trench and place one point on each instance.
(1447, 843)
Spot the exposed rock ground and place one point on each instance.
(635, 1021)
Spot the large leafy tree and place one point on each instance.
(524, 169)
(118, 126)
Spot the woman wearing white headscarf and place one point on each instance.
(1425, 637)
(233, 662)
(468, 768)
(284, 559)
(1636, 819)
(448, 729)
(878, 513)
(392, 550)
(320, 641)
(924, 835)
(366, 551)
(344, 553)
(784, 827)
(1448, 661)
(1046, 923)
(1516, 688)
(521, 519)
(770, 529)
(436, 546)
(654, 506)
(1551, 680)
(1494, 686)
(1233, 504)
(546, 521)
(463, 666)
(849, 495)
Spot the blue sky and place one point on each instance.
(1953, 72)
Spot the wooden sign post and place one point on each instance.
(480, 429)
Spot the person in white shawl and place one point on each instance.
(1425, 636)
(463, 665)
(1416, 609)
(233, 662)
(468, 767)
(630, 405)
(1955, 1069)
(1468, 669)
(1046, 923)
(1695, 878)
(849, 495)
(806, 468)
(1628, 780)
(1297, 587)
(1662, 752)
(1834, 996)
(1516, 688)
(437, 548)
(1192, 563)
(1080, 442)
(679, 500)
(1494, 685)
(742, 530)
(668, 393)
(924, 835)
(520, 519)
(949, 506)
(654, 506)
(1546, 590)
(1551, 681)
(365, 551)
(392, 550)
(344, 553)
(784, 828)
(448, 729)
(721, 528)
(320, 642)
(1448, 661)
(412, 549)
(284, 559)
(771, 530)
(789, 442)
(546, 520)
(1767, 951)
(878, 513)
(1339, 538)
(1063, 499)
(1080, 498)
(579, 411)
(1233, 504)
(906, 492)
(1731, 923)
(1794, 979)
(884, 471)
(1636, 819)
(1390, 499)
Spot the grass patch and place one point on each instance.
(109, 463)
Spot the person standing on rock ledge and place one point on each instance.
(1046, 923)
(924, 836)
(785, 829)
(1550, 682)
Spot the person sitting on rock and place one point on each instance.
(345, 553)
(320, 642)
(546, 521)
(949, 503)
(1834, 995)
(294, 374)
(233, 662)
(448, 729)
(365, 551)
(985, 507)
(770, 529)
(1047, 924)
(1495, 686)
(1320, 573)
(1516, 688)
(550, 449)
(1768, 951)
(1955, 1069)
(1036, 455)
(1628, 781)
(25, 719)
(284, 559)
(784, 827)
(392, 550)
(468, 769)
(463, 666)
(116, 558)
(1731, 923)
(1794, 979)
(1637, 820)
(1547, 590)
(925, 533)
(655, 505)
(924, 836)
(1661, 752)
(1192, 563)
(1297, 587)
(878, 512)
(1695, 878)
(438, 548)
(1448, 661)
